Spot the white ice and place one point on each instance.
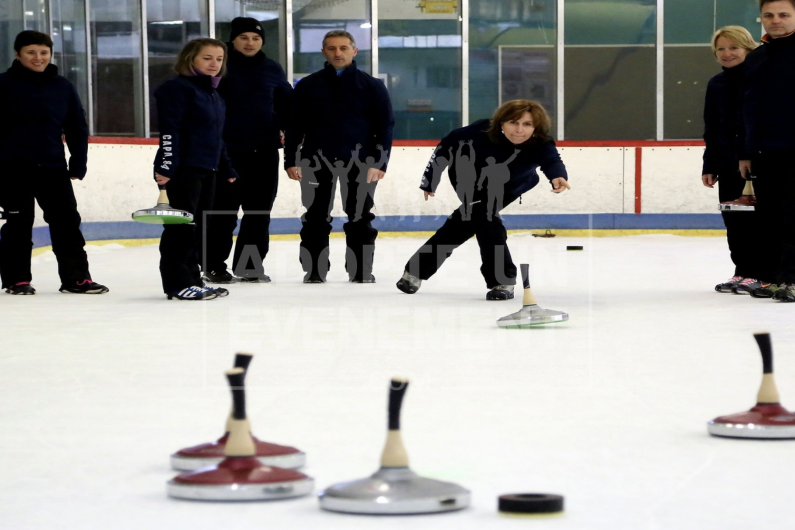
(608, 409)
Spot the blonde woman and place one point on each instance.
(191, 156)
(730, 45)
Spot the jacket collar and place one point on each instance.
(333, 71)
(205, 82)
(19, 70)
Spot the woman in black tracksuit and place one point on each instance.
(190, 157)
(721, 125)
(514, 142)
(40, 110)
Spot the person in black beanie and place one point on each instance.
(39, 109)
(191, 156)
(257, 95)
(722, 106)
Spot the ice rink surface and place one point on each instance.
(608, 409)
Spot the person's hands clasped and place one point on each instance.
(374, 174)
(745, 169)
(294, 173)
(709, 180)
(559, 185)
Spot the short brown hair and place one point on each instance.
(514, 110)
(339, 33)
(735, 34)
(763, 2)
(184, 65)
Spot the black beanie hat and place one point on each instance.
(245, 25)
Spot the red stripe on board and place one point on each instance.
(638, 178)
(129, 140)
(122, 140)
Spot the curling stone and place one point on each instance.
(162, 213)
(394, 489)
(767, 419)
(531, 313)
(206, 454)
(240, 476)
(746, 202)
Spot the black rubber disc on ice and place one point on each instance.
(530, 503)
(574, 247)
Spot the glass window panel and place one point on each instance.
(689, 21)
(312, 19)
(739, 13)
(169, 26)
(611, 22)
(117, 67)
(420, 62)
(512, 54)
(610, 93)
(69, 44)
(35, 15)
(270, 13)
(11, 23)
(687, 71)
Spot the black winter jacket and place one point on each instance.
(334, 113)
(39, 109)
(768, 112)
(191, 122)
(722, 115)
(533, 154)
(257, 97)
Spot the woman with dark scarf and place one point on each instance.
(40, 110)
(722, 117)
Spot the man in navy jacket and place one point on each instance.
(341, 114)
(768, 116)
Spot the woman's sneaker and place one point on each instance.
(729, 285)
(220, 291)
(21, 288)
(500, 292)
(747, 286)
(193, 293)
(84, 287)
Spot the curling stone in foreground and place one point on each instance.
(394, 489)
(212, 453)
(767, 419)
(746, 202)
(531, 313)
(240, 476)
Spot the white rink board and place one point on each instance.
(119, 181)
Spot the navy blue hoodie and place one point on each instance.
(257, 97)
(532, 155)
(38, 110)
(191, 121)
(334, 113)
